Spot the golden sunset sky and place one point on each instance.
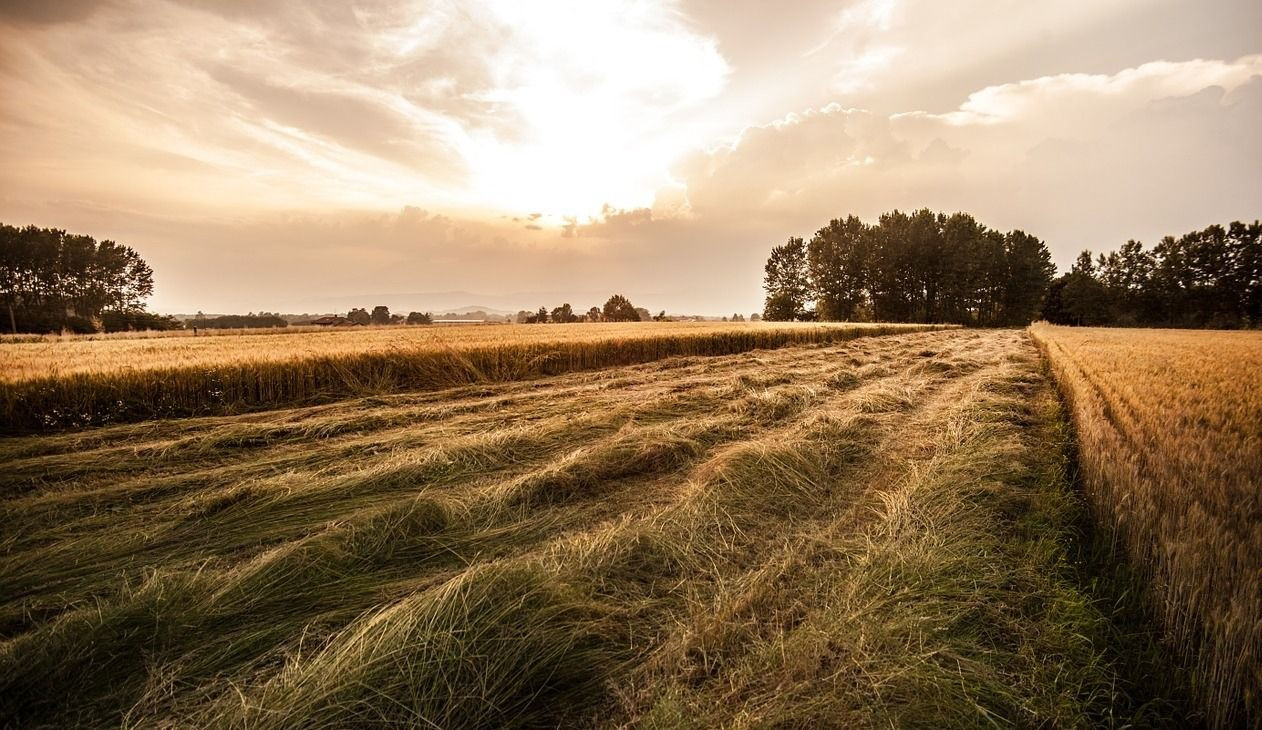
(303, 156)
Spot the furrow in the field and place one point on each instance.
(237, 521)
(60, 504)
(414, 537)
(384, 547)
(373, 423)
(738, 500)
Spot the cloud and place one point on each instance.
(41, 12)
(1083, 160)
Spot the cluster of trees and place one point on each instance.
(617, 309)
(909, 267)
(380, 314)
(1208, 278)
(51, 280)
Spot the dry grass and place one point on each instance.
(79, 382)
(1170, 430)
(812, 536)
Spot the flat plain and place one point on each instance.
(870, 532)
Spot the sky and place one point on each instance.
(312, 156)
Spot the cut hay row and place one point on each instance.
(80, 384)
(864, 534)
(1170, 431)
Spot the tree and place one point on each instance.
(619, 309)
(564, 314)
(380, 314)
(787, 280)
(50, 279)
(837, 265)
(643, 314)
(541, 315)
(755, 317)
(593, 314)
(359, 316)
(420, 318)
(1029, 272)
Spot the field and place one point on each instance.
(1170, 431)
(873, 532)
(72, 382)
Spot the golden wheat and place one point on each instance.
(1169, 424)
(80, 382)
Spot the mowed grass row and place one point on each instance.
(1170, 430)
(871, 533)
(84, 383)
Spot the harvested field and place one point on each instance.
(75, 382)
(1170, 430)
(875, 532)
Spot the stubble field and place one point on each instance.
(872, 532)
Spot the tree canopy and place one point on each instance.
(51, 279)
(917, 267)
(619, 309)
(1206, 278)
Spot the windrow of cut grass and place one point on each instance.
(1169, 425)
(86, 383)
(863, 534)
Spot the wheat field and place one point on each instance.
(869, 533)
(75, 382)
(1169, 424)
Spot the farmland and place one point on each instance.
(79, 381)
(1170, 431)
(876, 531)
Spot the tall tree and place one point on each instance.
(837, 268)
(619, 309)
(787, 281)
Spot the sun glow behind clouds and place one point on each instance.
(595, 91)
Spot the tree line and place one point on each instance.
(909, 267)
(617, 309)
(52, 280)
(1207, 278)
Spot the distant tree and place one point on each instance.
(660, 316)
(755, 317)
(738, 318)
(243, 321)
(787, 281)
(541, 316)
(619, 309)
(564, 314)
(593, 314)
(380, 315)
(644, 314)
(359, 316)
(420, 318)
(137, 320)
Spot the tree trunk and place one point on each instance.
(13, 324)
